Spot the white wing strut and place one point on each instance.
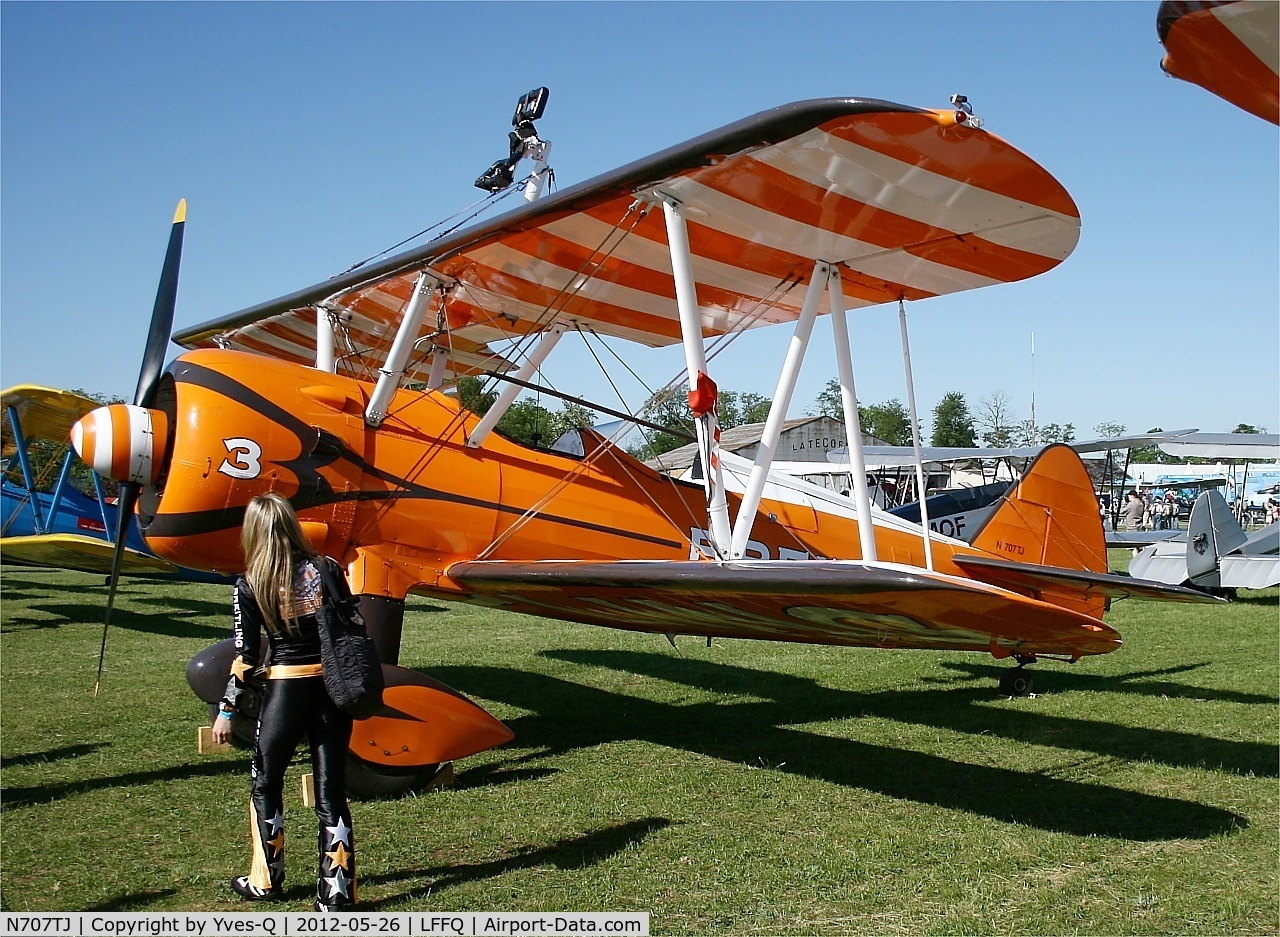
(324, 341)
(852, 422)
(778, 410)
(390, 374)
(695, 358)
(915, 437)
(500, 406)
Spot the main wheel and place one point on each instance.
(370, 781)
(1016, 682)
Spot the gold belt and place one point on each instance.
(293, 671)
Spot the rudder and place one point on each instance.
(1050, 518)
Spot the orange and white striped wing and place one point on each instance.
(1230, 48)
(909, 203)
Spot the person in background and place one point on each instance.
(281, 592)
(1134, 510)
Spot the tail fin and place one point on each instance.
(1212, 532)
(1050, 518)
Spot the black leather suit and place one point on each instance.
(295, 704)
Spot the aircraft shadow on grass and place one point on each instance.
(132, 901)
(53, 754)
(566, 716)
(575, 852)
(959, 709)
(1138, 682)
(15, 797)
(175, 618)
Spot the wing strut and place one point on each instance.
(324, 340)
(392, 372)
(852, 422)
(778, 409)
(702, 390)
(500, 406)
(915, 437)
(24, 462)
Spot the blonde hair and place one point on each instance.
(273, 544)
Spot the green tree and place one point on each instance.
(1052, 432)
(473, 396)
(995, 419)
(526, 420)
(952, 422)
(829, 401)
(889, 420)
(1115, 458)
(670, 408)
(734, 408)
(1248, 428)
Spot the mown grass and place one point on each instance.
(745, 788)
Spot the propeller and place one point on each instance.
(119, 426)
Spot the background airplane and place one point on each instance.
(62, 527)
(1214, 552)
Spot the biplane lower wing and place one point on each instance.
(812, 601)
(86, 554)
(1022, 577)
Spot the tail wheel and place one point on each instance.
(369, 781)
(1016, 682)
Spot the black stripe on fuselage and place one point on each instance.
(314, 490)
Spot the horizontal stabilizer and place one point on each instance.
(1021, 577)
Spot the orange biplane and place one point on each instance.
(336, 396)
(1229, 47)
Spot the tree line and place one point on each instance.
(954, 424)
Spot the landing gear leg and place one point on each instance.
(384, 620)
(1017, 682)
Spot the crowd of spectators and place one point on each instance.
(1145, 509)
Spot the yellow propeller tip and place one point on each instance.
(180, 215)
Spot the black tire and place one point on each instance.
(243, 728)
(1016, 682)
(369, 781)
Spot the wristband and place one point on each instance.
(226, 713)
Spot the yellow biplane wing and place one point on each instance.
(43, 412)
(77, 551)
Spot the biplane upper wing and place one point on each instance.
(909, 203)
(1230, 48)
(43, 412)
(816, 601)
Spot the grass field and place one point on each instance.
(745, 788)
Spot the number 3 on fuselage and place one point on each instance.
(245, 458)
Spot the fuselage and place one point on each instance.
(399, 504)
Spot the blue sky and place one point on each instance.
(308, 136)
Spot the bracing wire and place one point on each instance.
(483, 204)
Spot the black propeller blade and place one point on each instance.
(148, 378)
(162, 313)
